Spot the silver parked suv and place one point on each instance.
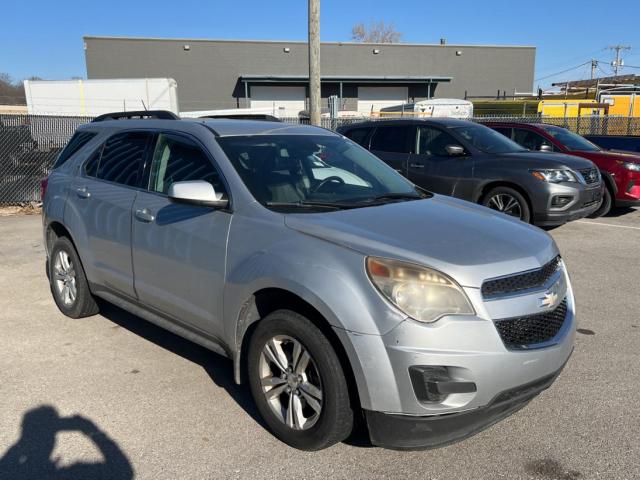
(335, 285)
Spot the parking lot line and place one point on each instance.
(607, 224)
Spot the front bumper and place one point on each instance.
(485, 380)
(584, 201)
(628, 191)
(405, 432)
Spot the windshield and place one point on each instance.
(570, 140)
(488, 140)
(314, 172)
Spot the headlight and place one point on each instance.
(634, 167)
(554, 176)
(422, 293)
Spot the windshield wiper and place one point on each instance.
(393, 196)
(310, 205)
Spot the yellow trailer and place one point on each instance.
(622, 104)
(571, 108)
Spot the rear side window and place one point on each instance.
(530, 139)
(122, 158)
(91, 165)
(392, 139)
(503, 130)
(358, 135)
(79, 140)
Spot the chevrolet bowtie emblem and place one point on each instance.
(550, 299)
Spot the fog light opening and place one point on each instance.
(561, 200)
(433, 384)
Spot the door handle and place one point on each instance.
(144, 215)
(82, 192)
(416, 165)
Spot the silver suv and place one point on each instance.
(335, 285)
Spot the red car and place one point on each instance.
(620, 171)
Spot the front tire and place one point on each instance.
(605, 206)
(508, 201)
(68, 281)
(298, 383)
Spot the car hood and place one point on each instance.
(610, 155)
(549, 160)
(466, 241)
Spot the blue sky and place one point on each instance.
(44, 38)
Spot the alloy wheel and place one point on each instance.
(290, 382)
(64, 276)
(505, 203)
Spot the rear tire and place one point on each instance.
(292, 367)
(68, 281)
(508, 201)
(605, 206)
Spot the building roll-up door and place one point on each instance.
(283, 101)
(374, 98)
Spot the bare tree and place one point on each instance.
(11, 93)
(376, 32)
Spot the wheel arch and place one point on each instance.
(487, 187)
(610, 183)
(54, 231)
(268, 300)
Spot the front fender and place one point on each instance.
(329, 277)
(332, 280)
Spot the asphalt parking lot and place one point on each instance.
(112, 396)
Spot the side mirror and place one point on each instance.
(196, 192)
(546, 148)
(454, 150)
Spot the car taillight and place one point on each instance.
(43, 188)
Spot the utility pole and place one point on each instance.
(594, 65)
(314, 62)
(617, 63)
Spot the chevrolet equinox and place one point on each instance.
(339, 289)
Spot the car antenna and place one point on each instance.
(145, 107)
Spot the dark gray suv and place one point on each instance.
(472, 162)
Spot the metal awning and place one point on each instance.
(397, 79)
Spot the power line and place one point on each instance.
(562, 71)
(572, 59)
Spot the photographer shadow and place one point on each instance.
(30, 457)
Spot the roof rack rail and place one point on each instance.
(140, 114)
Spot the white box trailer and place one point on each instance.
(435, 107)
(89, 98)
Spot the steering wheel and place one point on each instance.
(326, 181)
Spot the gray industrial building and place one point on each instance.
(222, 74)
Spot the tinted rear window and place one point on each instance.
(122, 158)
(91, 165)
(358, 135)
(506, 131)
(79, 140)
(392, 139)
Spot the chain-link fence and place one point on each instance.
(585, 125)
(29, 144)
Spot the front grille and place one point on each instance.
(590, 175)
(521, 281)
(526, 332)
